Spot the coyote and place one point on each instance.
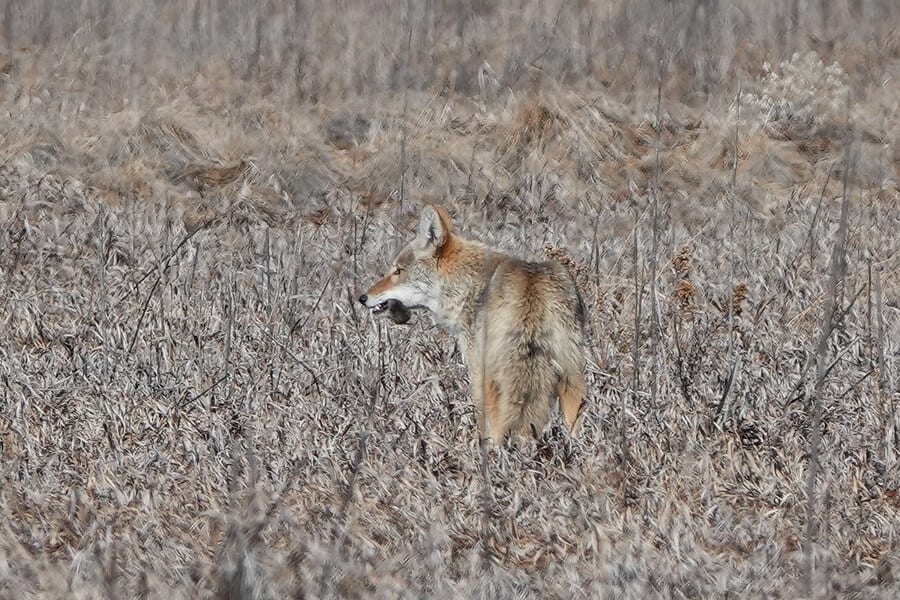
(519, 324)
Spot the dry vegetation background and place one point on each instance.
(192, 194)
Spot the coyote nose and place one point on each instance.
(363, 299)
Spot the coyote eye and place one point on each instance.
(398, 270)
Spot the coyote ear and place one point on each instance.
(434, 226)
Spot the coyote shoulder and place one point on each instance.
(519, 323)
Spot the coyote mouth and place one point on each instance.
(379, 309)
(394, 309)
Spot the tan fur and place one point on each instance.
(519, 324)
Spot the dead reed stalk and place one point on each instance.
(837, 271)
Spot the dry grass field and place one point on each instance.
(192, 194)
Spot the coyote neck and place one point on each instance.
(464, 277)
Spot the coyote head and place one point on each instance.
(412, 281)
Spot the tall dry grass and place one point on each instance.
(192, 195)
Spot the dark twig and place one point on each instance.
(140, 322)
(655, 325)
(636, 349)
(724, 408)
(166, 260)
(487, 552)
